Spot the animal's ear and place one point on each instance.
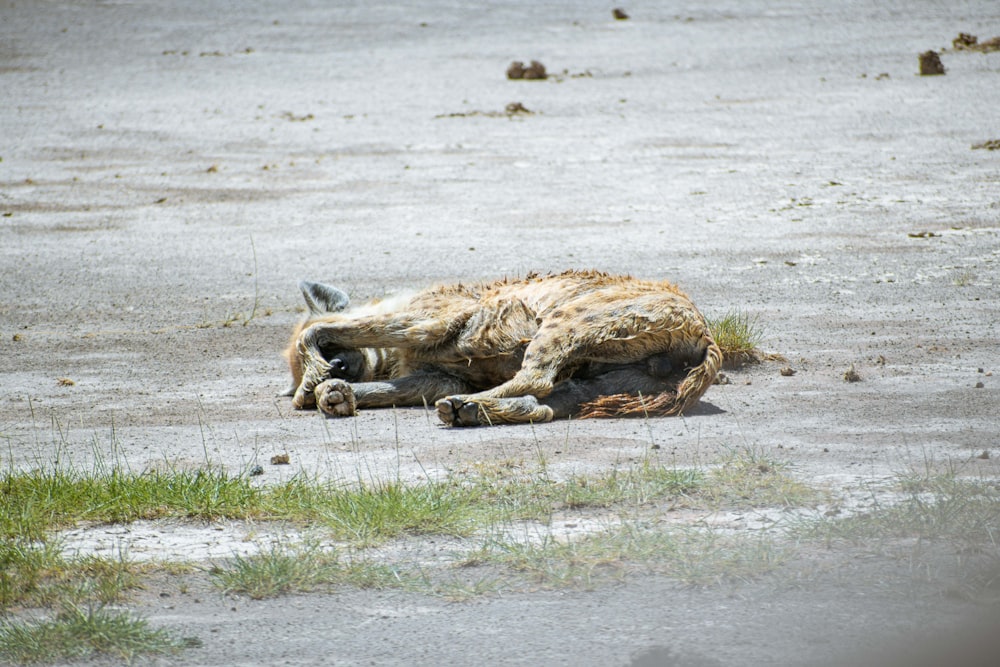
(322, 298)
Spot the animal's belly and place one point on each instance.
(487, 372)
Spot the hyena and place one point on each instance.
(543, 347)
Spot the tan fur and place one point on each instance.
(578, 343)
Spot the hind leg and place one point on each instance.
(610, 329)
(565, 399)
(456, 411)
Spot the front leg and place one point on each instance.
(338, 398)
(393, 330)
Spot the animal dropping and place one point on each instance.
(543, 347)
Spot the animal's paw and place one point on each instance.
(335, 398)
(456, 411)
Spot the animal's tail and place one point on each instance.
(688, 392)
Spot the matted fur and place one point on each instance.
(578, 343)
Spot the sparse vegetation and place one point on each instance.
(503, 516)
(36, 502)
(38, 574)
(283, 568)
(749, 477)
(930, 507)
(964, 279)
(691, 555)
(79, 632)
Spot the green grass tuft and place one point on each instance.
(694, 556)
(748, 477)
(78, 632)
(37, 574)
(934, 507)
(284, 568)
(738, 335)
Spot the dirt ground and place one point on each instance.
(169, 171)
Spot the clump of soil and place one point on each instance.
(930, 64)
(852, 375)
(991, 145)
(535, 70)
(967, 42)
(512, 109)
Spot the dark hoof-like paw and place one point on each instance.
(456, 411)
(335, 398)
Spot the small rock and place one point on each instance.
(964, 40)
(256, 470)
(535, 70)
(930, 64)
(619, 14)
(722, 378)
(991, 145)
(984, 455)
(279, 460)
(787, 371)
(980, 385)
(852, 375)
(516, 108)
(515, 70)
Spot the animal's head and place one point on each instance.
(347, 364)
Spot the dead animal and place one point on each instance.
(534, 349)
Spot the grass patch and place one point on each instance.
(738, 335)
(508, 492)
(34, 502)
(749, 478)
(498, 493)
(933, 507)
(78, 632)
(964, 279)
(372, 513)
(691, 555)
(38, 575)
(284, 568)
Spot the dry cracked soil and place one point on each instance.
(170, 170)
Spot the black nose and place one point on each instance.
(337, 365)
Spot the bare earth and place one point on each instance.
(170, 170)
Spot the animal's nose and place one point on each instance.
(337, 365)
